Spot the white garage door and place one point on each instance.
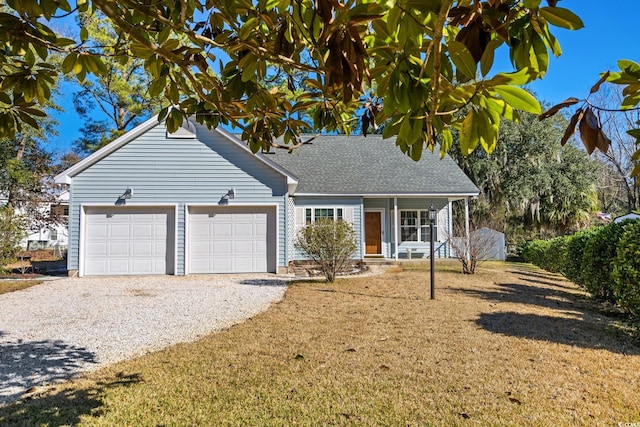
(231, 239)
(128, 240)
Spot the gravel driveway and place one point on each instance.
(55, 330)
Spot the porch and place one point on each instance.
(399, 228)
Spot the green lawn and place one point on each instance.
(512, 345)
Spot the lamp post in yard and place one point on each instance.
(433, 213)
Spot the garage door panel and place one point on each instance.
(129, 240)
(119, 231)
(143, 249)
(243, 230)
(143, 231)
(221, 230)
(244, 247)
(116, 249)
(97, 249)
(221, 247)
(118, 266)
(238, 236)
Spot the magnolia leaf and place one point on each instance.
(518, 98)
(492, 127)
(629, 66)
(415, 150)
(636, 170)
(69, 63)
(596, 87)
(84, 34)
(572, 126)
(604, 142)
(519, 78)
(591, 119)
(561, 17)
(588, 135)
(636, 156)
(634, 133)
(553, 110)
(486, 61)
(468, 134)
(446, 143)
(462, 59)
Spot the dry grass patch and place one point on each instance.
(511, 345)
(7, 286)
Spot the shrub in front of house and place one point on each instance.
(330, 244)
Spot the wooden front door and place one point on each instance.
(372, 233)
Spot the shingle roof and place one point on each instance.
(357, 165)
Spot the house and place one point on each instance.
(630, 215)
(46, 233)
(198, 201)
(55, 235)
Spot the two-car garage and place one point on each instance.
(139, 240)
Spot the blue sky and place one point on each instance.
(611, 32)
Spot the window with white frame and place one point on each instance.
(314, 214)
(415, 226)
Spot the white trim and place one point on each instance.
(459, 196)
(466, 226)
(81, 237)
(364, 235)
(242, 205)
(186, 237)
(83, 232)
(396, 237)
(450, 219)
(335, 213)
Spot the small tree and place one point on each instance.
(11, 232)
(331, 244)
(471, 251)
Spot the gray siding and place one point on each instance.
(178, 172)
(353, 202)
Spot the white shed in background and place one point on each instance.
(495, 241)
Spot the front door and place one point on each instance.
(373, 233)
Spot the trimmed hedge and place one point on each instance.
(626, 270)
(575, 264)
(603, 260)
(600, 253)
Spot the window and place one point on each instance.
(409, 226)
(314, 214)
(59, 211)
(53, 234)
(415, 226)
